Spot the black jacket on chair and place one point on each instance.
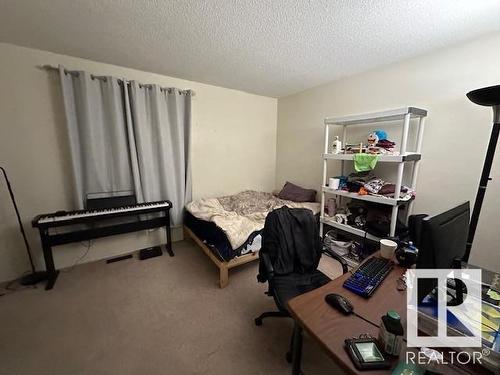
(290, 254)
(291, 240)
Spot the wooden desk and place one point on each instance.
(330, 327)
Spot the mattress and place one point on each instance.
(217, 241)
(241, 215)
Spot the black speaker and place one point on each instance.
(150, 252)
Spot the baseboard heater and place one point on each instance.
(117, 259)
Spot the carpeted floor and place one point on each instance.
(160, 316)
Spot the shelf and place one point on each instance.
(367, 198)
(370, 118)
(409, 156)
(398, 117)
(347, 228)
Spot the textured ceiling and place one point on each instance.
(268, 47)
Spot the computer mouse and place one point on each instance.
(339, 303)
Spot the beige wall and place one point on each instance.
(455, 139)
(234, 148)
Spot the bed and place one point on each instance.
(228, 229)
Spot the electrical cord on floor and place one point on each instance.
(88, 246)
(8, 289)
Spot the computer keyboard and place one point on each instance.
(368, 276)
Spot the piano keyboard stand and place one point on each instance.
(61, 219)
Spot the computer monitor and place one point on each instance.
(444, 238)
(442, 243)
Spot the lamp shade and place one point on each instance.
(487, 96)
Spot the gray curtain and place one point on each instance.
(95, 115)
(159, 123)
(128, 137)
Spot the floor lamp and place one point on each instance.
(490, 97)
(35, 276)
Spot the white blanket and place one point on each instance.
(242, 214)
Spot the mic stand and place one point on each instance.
(35, 276)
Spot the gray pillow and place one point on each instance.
(295, 193)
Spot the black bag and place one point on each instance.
(381, 228)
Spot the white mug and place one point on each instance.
(333, 183)
(387, 248)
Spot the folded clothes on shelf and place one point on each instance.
(390, 189)
(355, 181)
(365, 183)
(386, 144)
(381, 188)
(383, 146)
(374, 185)
(360, 178)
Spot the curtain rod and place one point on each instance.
(93, 76)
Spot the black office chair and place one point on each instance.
(289, 257)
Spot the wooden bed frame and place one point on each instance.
(222, 265)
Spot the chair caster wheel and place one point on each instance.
(288, 357)
(258, 322)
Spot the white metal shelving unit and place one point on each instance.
(401, 114)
